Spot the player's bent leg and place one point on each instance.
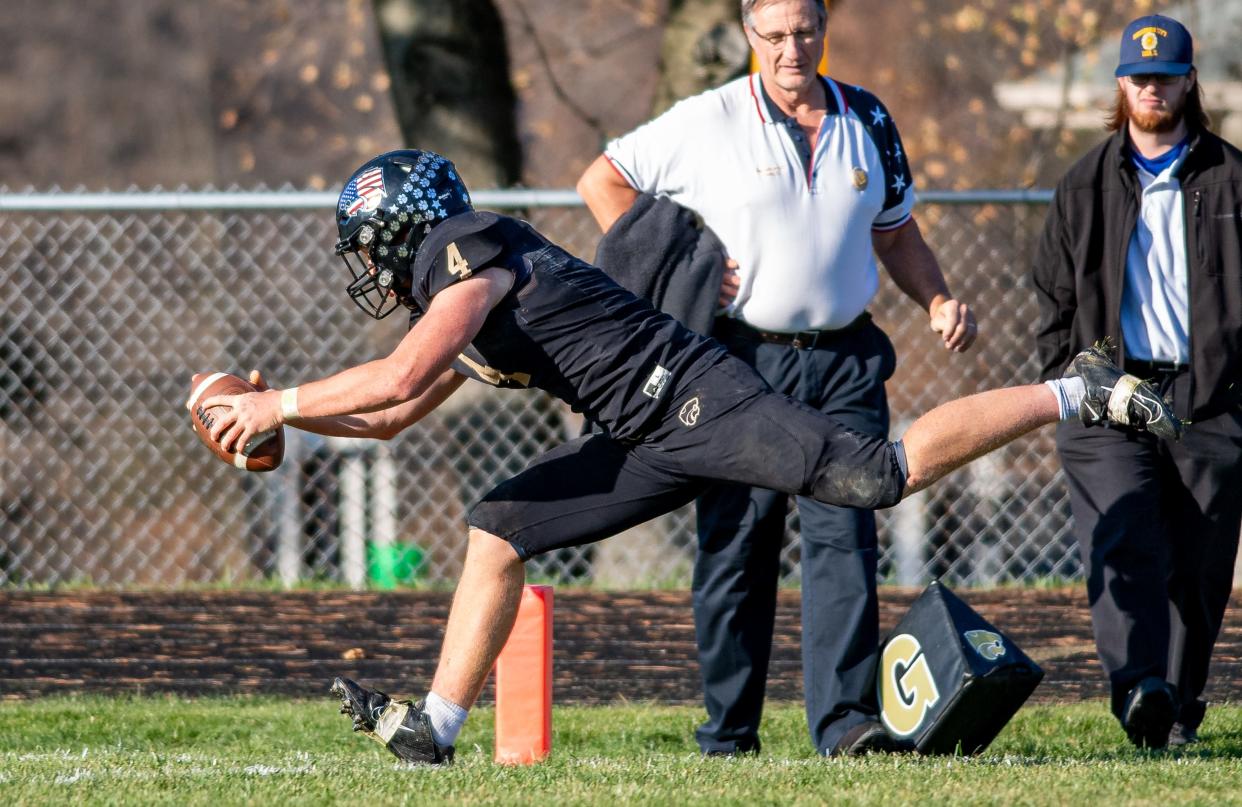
(959, 431)
(484, 609)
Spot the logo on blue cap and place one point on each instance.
(1155, 44)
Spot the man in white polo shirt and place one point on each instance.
(1143, 245)
(800, 177)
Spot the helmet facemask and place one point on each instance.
(381, 271)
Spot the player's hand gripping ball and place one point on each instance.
(263, 453)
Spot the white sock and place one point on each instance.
(446, 717)
(1069, 392)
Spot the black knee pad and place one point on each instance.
(869, 486)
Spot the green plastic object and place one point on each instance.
(390, 565)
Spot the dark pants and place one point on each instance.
(1157, 526)
(738, 563)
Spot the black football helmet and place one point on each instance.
(386, 210)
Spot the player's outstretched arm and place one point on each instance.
(421, 358)
(384, 424)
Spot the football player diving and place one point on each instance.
(489, 298)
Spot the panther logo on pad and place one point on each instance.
(986, 643)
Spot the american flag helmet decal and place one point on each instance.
(364, 192)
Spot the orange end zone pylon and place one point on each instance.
(524, 683)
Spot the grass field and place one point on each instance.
(267, 751)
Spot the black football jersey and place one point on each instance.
(565, 327)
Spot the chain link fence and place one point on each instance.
(111, 301)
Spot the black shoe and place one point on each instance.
(1179, 735)
(400, 726)
(1116, 397)
(868, 737)
(748, 751)
(1149, 712)
(746, 747)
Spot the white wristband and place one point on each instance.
(289, 405)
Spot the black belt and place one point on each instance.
(802, 340)
(1144, 368)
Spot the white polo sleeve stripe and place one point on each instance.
(622, 171)
(897, 225)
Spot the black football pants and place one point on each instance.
(723, 426)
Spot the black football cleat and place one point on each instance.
(400, 726)
(1116, 397)
(364, 706)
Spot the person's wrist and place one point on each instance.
(289, 405)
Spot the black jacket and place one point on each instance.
(658, 251)
(1079, 268)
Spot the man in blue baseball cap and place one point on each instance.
(1143, 245)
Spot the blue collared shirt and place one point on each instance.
(1155, 310)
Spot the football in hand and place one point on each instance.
(263, 453)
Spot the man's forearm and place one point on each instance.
(357, 391)
(370, 424)
(913, 266)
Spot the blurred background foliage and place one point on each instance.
(145, 93)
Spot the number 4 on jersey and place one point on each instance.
(457, 265)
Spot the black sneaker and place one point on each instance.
(1149, 713)
(1116, 397)
(1179, 736)
(868, 737)
(400, 726)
